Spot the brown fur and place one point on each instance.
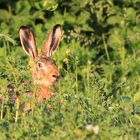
(44, 71)
(44, 77)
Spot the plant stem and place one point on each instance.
(17, 109)
(122, 55)
(24, 119)
(106, 50)
(2, 106)
(76, 79)
(88, 68)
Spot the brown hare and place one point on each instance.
(44, 71)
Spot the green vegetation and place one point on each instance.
(99, 59)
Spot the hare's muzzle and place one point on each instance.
(56, 76)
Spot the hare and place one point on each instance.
(44, 71)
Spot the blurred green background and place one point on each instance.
(98, 96)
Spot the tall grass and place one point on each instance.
(85, 95)
(98, 95)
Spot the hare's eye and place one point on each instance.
(40, 65)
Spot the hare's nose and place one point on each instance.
(56, 76)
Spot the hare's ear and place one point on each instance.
(28, 42)
(52, 41)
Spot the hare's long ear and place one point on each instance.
(52, 41)
(28, 42)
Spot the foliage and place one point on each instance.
(99, 62)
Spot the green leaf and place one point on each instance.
(7, 38)
(130, 14)
(4, 15)
(114, 20)
(17, 133)
(110, 2)
(115, 40)
(137, 96)
(50, 5)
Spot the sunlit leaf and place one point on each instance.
(114, 20)
(4, 15)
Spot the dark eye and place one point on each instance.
(40, 65)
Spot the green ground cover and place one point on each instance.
(98, 95)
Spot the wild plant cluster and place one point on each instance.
(98, 95)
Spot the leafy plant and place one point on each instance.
(97, 96)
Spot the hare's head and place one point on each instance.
(45, 71)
